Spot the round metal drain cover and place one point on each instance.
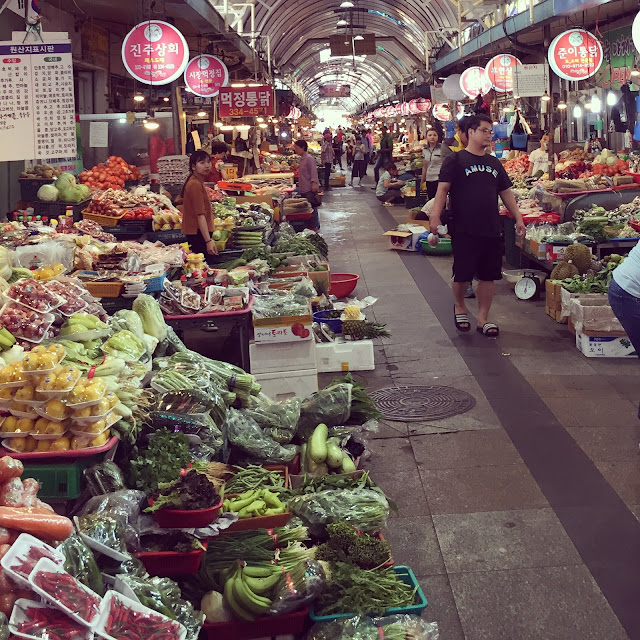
(417, 404)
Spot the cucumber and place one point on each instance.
(303, 458)
(347, 465)
(334, 455)
(318, 444)
(310, 466)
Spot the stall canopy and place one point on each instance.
(300, 31)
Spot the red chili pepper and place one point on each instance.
(63, 588)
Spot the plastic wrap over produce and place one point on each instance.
(298, 587)
(365, 509)
(400, 627)
(593, 313)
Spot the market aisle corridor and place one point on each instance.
(520, 516)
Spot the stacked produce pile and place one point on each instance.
(518, 167)
(139, 204)
(112, 174)
(40, 172)
(64, 189)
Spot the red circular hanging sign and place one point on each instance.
(441, 112)
(155, 52)
(205, 74)
(575, 55)
(424, 104)
(499, 71)
(474, 81)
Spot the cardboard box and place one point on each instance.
(355, 355)
(290, 356)
(566, 298)
(556, 314)
(255, 200)
(537, 249)
(282, 385)
(605, 346)
(594, 316)
(321, 278)
(283, 329)
(556, 252)
(553, 295)
(406, 240)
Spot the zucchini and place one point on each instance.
(310, 466)
(334, 455)
(318, 444)
(347, 465)
(303, 458)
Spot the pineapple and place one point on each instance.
(361, 329)
(352, 312)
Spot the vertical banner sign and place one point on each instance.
(205, 75)
(474, 81)
(155, 52)
(236, 102)
(620, 52)
(575, 55)
(37, 106)
(499, 71)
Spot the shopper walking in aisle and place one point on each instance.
(197, 219)
(327, 156)
(367, 141)
(388, 187)
(433, 155)
(473, 180)
(386, 153)
(308, 183)
(350, 151)
(359, 160)
(624, 296)
(338, 150)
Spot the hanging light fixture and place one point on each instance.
(138, 97)
(202, 114)
(562, 105)
(635, 73)
(546, 97)
(347, 4)
(342, 23)
(577, 111)
(359, 37)
(596, 104)
(261, 119)
(151, 124)
(165, 99)
(263, 125)
(219, 124)
(612, 99)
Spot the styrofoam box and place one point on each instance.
(605, 346)
(292, 356)
(280, 385)
(355, 355)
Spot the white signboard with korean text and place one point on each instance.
(530, 80)
(37, 106)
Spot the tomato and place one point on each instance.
(129, 215)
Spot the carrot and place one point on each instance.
(43, 506)
(42, 525)
(10, 468)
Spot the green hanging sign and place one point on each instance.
(619, 58)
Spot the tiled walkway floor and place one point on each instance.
(518, 516)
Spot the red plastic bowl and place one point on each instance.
(165, 564)
(342, 284)
(267, 626)
(183, 519)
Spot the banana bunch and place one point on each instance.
(6, 340)
(254, 503)
(247, 590)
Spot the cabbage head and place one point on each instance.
(74, 194)
(47, 193)
(64, 181)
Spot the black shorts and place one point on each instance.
(476, 256)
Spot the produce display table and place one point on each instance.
(216, 321)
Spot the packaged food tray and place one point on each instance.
(407, 576)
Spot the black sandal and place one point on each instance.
(489, 329)
(461, 319)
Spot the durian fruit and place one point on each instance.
(564, 270)
(579, 255)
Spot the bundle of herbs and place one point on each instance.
(358, 591)
(346, 544)
(192, 491)
(363, 407)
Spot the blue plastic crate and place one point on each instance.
(408, 577)
(155, 284)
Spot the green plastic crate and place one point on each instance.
(443, 248)
(57, 481)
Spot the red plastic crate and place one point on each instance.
(184, 519)
(268, 626)
(171, 563)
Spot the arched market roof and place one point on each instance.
(300, 29)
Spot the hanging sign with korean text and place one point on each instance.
(237, 102)
(474, 81)
(205, 75)
(575, 55)
(37, 105)
(155, 52)
(499, 71)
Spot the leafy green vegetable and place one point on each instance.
(345, 544)
(362, 406)
(151, 315)
(191, 491)
(162, 461)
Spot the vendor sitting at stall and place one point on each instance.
(539, 159)
(197, 219)
(388, 189)
(218, 155)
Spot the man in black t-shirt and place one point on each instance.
(473, 180)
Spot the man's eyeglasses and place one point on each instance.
(485, 130)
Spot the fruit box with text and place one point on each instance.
(282, 329)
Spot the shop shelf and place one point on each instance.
(289, 624)
(408, 577)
